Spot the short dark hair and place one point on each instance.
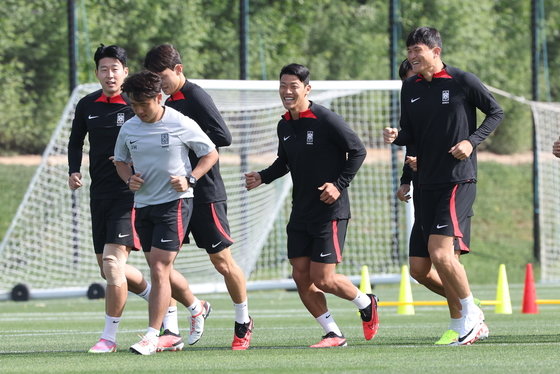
(404, 68)
(112, 51)
(143, 85)
(424, 35)
(298, 70)
(162, 57)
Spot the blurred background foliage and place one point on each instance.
(337, 39)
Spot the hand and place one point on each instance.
(252, 180)
(75, 181)
(135, 182)
(330, 193)
(403, 193)
(390, 134)
(179, 183)
(556, 148)
(412, 162)
(461, 150)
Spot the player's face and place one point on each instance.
(148, 110)
(423, 58)
(111, 74)
(171, 81)
(293, 93)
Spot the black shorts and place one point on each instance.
(210, 227)
(111, 222)
(448, 211)
(164, 225)
(418, 243)
(321, 241)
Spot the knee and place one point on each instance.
(322, 283)
(419, 274)
(300, 277)
(113, 270)
(222, 265)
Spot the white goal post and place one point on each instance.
(48, 246)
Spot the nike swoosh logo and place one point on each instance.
(166, 240)
(441, 226)
(464, 337)
(287, 137)
(217, 244)
(92, 117)
(414, 100)
(133, 141)
(123, 236)
(324, 255)
(116, 321)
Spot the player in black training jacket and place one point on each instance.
(322, 154)
(438, 117)
(209, 224)
(100, 115)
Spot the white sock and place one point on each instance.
(146, 293)
(456, 324)
(467, 305)
(195, 308)
(111, 327)
(152, 333)
(170, 320)
(362, 300)
(241, 312)
(328, 324)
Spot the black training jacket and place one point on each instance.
(318, 147)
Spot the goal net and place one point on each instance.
(48, 245)
(547, 120)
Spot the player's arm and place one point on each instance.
(351, 143)
(483, 100)
(75, 147)
(210, 119)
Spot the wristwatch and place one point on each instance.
(192, 180)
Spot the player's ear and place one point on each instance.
(125, 69)
(307, 89)
(437, 51)
(178, 69)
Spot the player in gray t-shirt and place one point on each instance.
(157, 141)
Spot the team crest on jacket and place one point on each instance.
(120, 119)
(164, 140)
(445, 97)
(309, 139)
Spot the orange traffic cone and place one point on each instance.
(529, 292)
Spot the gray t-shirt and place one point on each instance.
(159, 150)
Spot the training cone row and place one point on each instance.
(529, 292)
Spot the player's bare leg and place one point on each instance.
(237, 288)
(233, 275)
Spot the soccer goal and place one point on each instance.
(48, 246)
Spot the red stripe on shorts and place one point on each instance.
(453, 211)
(335, 241)
(135, 238)
(219, 224)
(180, 222)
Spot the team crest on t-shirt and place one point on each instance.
(445, 97)
(120, 119)
(309, 138)
(164, 140)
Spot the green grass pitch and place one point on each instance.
(53, 336)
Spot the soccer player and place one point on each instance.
(101, 115)
(157, 141)
(438, 117)
(556, 148)
(421, 268)
(322, 154)
(209, 224)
